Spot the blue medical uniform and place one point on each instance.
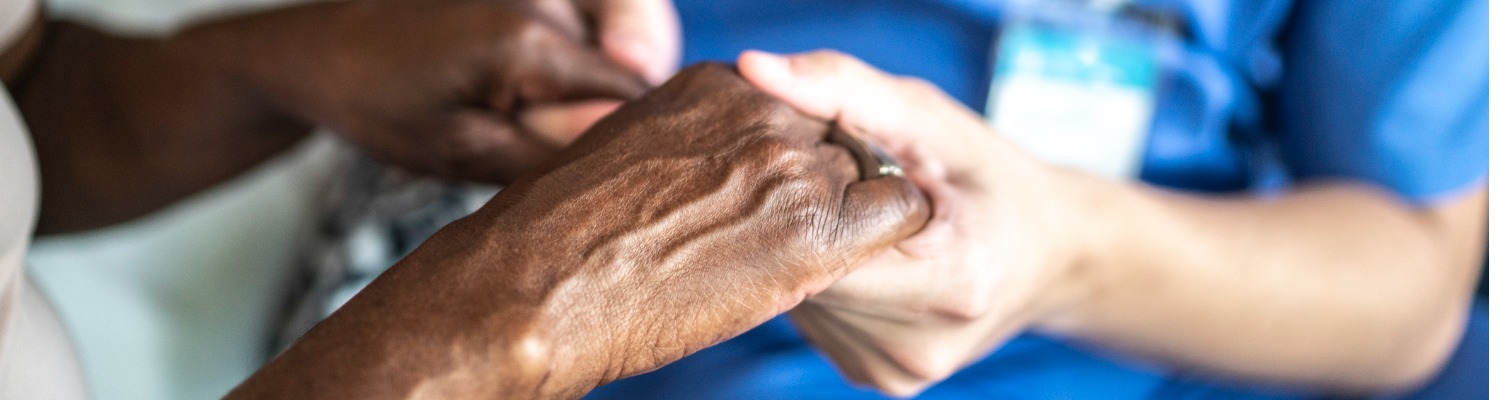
(1388, 92)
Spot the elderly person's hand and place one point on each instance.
(643, 36)
(464, 89)
(685, 218)
(440, 86)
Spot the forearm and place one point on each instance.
(446, 322)
(1332, 286)
(125, 126)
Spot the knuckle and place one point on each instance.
(781, 156)
(928, 363)
(526, 29)
(530, 32)
(910, 202)
(831, 60)
(967, 309)
(965, 304)
(899, 386)
(823, 62)
(918, 87)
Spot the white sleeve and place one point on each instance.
(37, 360)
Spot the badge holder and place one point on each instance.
(1074, 84)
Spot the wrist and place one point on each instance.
(519, 289)
(1085, 226)
(256, 57)
(464, 316)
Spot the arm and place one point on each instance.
(124, 126)
(36, 357)
(680, 221)
(1335, 286)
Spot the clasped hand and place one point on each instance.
(994, 259)
(681, 220)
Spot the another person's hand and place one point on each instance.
(440, 87)
(685, 218)
(979, 272)
(644, 36)
(468, 89)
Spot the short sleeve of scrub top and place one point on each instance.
(1388, 92)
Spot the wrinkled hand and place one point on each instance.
(686, 218)
(644, 36)
(439, 86)
(977, 274)
(690, 216)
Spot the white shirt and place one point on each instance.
(37, 360)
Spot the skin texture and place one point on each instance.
(125, 126)
(644, 36)
(1335, 286)
(686, 218)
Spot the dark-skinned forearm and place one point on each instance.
(126, 126)
(446, 322)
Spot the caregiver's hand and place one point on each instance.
(988, 262)
(433, 86)
(684, 219)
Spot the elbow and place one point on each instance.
(1414, 362)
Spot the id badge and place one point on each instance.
(1071, 87)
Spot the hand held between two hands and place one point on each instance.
(977, 274)
(687, 217)
(690, 216)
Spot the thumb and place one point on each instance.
(878, 213)
(569, 71)
(831, 85)
(644, 35)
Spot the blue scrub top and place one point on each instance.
(1387, 92)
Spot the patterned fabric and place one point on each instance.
(374, 216)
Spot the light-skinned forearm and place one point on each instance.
(1332, 285)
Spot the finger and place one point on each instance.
(560, 124)
(859, 353)
(837, 159)
(879, 212)
(564, 15)
(643, 35)
(889, 285)
(847, 353)
(488, 148)
(568, 71)
(831, 85)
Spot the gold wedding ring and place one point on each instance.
(873, 162)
